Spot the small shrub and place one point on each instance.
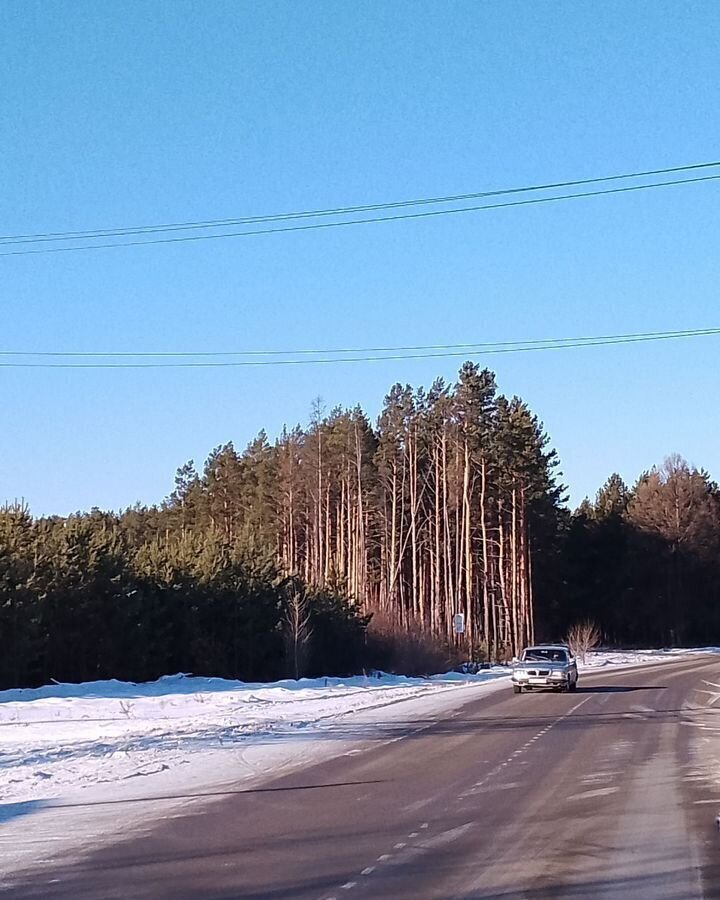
(583, 637)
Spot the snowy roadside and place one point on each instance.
(61, 738)
(603, 659)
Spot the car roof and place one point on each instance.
(548, 647)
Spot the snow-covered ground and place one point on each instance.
(81, 761)
(602, 659)
(59, 738)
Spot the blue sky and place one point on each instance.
(133, 113)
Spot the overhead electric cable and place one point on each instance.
(51, 236)
(368, 221)
(478, 346)
(551, 344)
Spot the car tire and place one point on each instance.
(573, 685)
(517, 689)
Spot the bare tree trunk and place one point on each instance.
(401, 582)
(449, 581)
(292, 559)
(297, 631)
(318, 512)
(530, 624)
(436, 574)
(393, 535)
(361, 571)
(340, 561)
(459, 532)
(485, 555)
(413, 490)
(514, 572)
(328, 539)
(467, 510)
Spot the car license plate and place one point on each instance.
(542, 680)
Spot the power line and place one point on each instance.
(52, 236)
(490, 349)
(368, 221)
(475, 346)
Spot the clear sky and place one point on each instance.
(140, 112)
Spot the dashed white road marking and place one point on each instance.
(454, 833)
(489, 788)
(598, 792)
(599, 777)
(447, 837)
(418, 804)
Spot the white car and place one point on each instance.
(545, 666)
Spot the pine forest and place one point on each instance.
(350, 544)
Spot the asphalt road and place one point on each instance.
(587, 795)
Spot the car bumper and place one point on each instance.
(540, 681)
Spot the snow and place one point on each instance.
(602, 659)
(63, 737)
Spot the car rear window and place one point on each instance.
(544, 654)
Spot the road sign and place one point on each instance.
(459, 623)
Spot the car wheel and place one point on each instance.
(573, 685)
(517, 689)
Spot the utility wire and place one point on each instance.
(553, 344)
(465, 347)
(53, 236)
(367, 221)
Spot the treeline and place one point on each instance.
(349, 544)
(644, 562)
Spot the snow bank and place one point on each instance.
(601, 659)
(58, 738)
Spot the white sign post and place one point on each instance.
(459, 623)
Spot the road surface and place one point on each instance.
(587, 795)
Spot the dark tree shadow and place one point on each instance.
(10, 811)
(619, 689)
